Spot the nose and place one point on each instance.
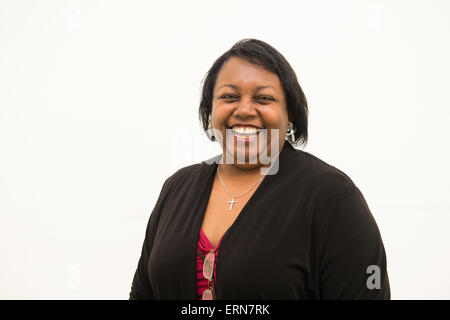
(245, 108)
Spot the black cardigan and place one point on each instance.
(305, 233)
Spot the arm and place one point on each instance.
(141, 287)
(353, 260)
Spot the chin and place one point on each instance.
(247, 166)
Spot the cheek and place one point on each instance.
(274, 118)
(221, 112)
(218, 118)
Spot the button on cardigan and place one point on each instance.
(305, 233)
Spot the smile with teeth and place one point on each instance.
(246, 133)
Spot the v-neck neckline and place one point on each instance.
(287, 148)
(206, 194)
(209, 245)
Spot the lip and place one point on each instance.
(245, 137)
(245, 125)
(242, 135)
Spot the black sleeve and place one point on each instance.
(141, 287)
(353, 260)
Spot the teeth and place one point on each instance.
(247, 130)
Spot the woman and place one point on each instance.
(263, 220)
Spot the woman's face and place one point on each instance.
(246, 97)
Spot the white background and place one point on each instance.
(99, 102)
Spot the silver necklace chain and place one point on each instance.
(233, 201)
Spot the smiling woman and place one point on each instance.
(287, 224)
(247, 98)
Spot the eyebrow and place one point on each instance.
(235, 87)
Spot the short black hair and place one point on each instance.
(260, 53)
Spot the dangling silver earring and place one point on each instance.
(290, 133)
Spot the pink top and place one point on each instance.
(204, 246)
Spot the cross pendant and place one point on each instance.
(232, 202)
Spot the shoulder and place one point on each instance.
(185, 173)
(320, 177)
(188, 176)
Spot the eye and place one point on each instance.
(228, 97)
(265, 99)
